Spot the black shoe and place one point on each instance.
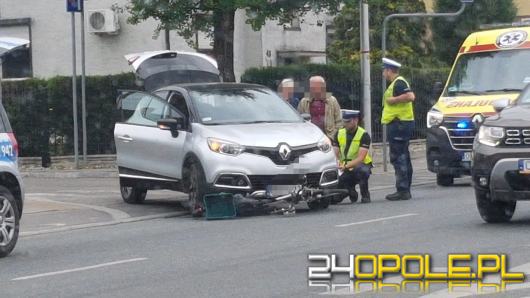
(365, 199)
(353, 196)
(399, 196)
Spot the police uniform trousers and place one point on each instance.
(399, 135)
(358, 175)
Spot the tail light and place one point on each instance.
(14, 143)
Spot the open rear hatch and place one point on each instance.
(164, 68)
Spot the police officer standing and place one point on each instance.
(352, 145)
(398, 115)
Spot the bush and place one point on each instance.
(40, 112)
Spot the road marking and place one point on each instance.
(78, 269)
(375, 220)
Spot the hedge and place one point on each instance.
(40, 113)
(40, 110)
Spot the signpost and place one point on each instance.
(75, 6)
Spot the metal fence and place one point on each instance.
(41, 110)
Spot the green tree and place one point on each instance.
(448, 35)
(405, 39)
(216, 18)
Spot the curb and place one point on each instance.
(108, 223)
(71, 174)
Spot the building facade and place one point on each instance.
(48, 26)
(523, 7)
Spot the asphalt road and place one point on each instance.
(258, 256)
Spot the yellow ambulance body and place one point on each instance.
(491, 65)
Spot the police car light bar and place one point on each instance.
(505, 25)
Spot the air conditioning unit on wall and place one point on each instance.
(103, 21)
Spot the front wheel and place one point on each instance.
(9, 222)
(493, 211)
(445, 180)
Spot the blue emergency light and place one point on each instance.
(462, 125)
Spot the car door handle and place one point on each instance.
(126, 138)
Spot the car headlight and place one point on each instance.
(225, 147)
(434, 118)
(490, 135)
(324, 145)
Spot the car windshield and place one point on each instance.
(490, 72)
(524, 98)
(242, 106)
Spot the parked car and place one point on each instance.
(203, 138)
(11, 187)
(501, 159)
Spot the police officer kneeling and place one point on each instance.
(354, 157)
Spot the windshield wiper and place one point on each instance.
(260, 121)
(504, 90)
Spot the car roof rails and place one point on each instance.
(522, 23)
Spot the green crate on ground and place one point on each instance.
(220, 206)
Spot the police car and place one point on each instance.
(11, 187)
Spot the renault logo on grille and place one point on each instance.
(285, 151)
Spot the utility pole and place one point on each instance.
(383, 48)
(365, 66)
(83, 87)
(74, 95)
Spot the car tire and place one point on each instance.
(493, 211)
(133, 195)
(445, 180)
(9, 222)
(197, 188)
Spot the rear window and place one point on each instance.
(5, 126)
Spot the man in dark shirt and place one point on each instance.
(352, 145)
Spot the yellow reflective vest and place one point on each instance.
(354, 146)
(403, 111)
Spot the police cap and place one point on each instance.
(389, 63)
(348, 115)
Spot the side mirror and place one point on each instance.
(500, 104)
(172, 124)
(307, 117)
(437, 88)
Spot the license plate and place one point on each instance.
(278, 190)
(524, 166)
(468, 156)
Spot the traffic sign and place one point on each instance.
(74, 5)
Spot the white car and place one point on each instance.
(203, 138)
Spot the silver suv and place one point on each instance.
(201, 138)
(11, 187)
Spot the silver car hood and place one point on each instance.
(264, 134)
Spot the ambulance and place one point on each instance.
(491, 66)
